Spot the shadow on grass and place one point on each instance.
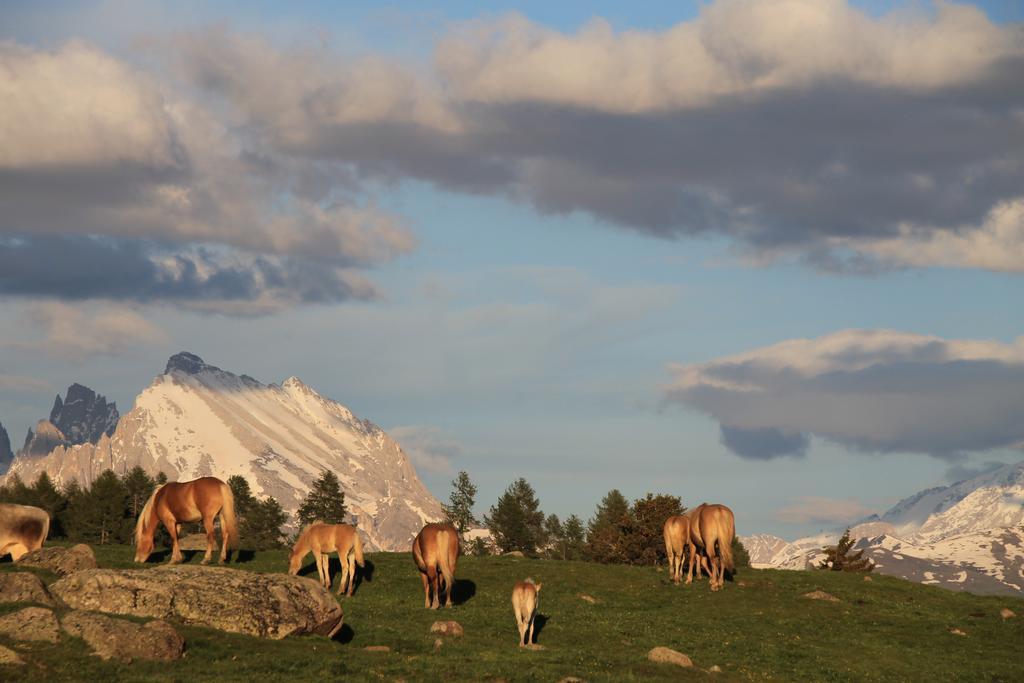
(464, 591)
(345, 635)
(538, 625)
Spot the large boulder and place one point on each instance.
(31, 623)
(9, 656)
(124, 640)
(23, 587)
(263, 605)
(59, 560)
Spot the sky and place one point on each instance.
(761, 252)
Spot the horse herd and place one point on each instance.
(706, 532)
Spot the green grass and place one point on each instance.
(886, 629)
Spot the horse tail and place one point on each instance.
(46, 529)
(140, 526)
(729, 533)
(357, 548)
(228, 523)
(444, 556)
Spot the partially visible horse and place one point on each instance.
(188, 501)
(436, 552)
(321, 539)
(524, 605)
(712, 528)
(677, 536)
(23, 528)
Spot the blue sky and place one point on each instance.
(527, 324)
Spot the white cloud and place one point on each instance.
(429, 448)
(78, 332)
(819, 510)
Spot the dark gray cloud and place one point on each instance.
(872, 391)
(78, 268)
(764, 443)
(964, 471)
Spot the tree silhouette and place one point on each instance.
(459, 509)
(516, 521)
(838, 557)
(325, 502)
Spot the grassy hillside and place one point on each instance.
(757, 628)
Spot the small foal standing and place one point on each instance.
(322, 539)
(524, 604)
(435, 550)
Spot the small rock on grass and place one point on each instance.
(821, 595)
(666, 655)
(377, 648)
(571, 679)
(588, 598)
(715, 669)
(957, 632)
(868, 578)
(31, 623)
(9, 656)
(447, 628)
(1007, 613)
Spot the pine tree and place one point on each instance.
(160, 478)
(459, 509)
(244, 500)
(325, 502)
(480, 547)
(554, 538)
(140, 487)
(740, 556)
(263, 522)
(644, 536)
(100, 514)
(604, 532)
(516, 521)
(15, 491)
(46, 496)
(574, 534)
(838, 557)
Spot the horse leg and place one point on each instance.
(223, 540)
(351, 574)
(172, 530)
(211, 539)
(435, 586)
(693, 558)
(521, 625)
(343, 561)
(426, 590)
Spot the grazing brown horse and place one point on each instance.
(712, 528)
(188, 501)
(321, 539)
(524, 605)
(23, 528)
(436, 551)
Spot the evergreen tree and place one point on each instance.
(643, 539)
(838, 557)
(480, 547)
(574, 534)
(554, 538)
(459, 509)
(244, 500)
(740, 556)
(46, 496)
(516, 521)
(160, 478)
(263, 521)
(100, 514)
(140, 487)
(604, 532)
(15, 491)
(325, 502)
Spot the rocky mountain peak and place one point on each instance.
(83, 415)
(188, 363)
(6, 454)
(44, 439)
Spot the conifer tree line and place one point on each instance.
(106, 511)
(620, 531)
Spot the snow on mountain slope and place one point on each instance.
(762, 548)
(198, 420)
(969, 535)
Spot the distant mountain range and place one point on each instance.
(198, 420)
(966, 536)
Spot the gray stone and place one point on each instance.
(262, 605)
(124, 640)
(447, 628)
(664, 655)
(59, 560)
(821, 595)
(23, 587)
(31, 623)
(9, 656)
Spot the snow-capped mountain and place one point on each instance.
(197, 420)
(968, 536)
(762, 548)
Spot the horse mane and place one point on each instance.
(140, 526)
